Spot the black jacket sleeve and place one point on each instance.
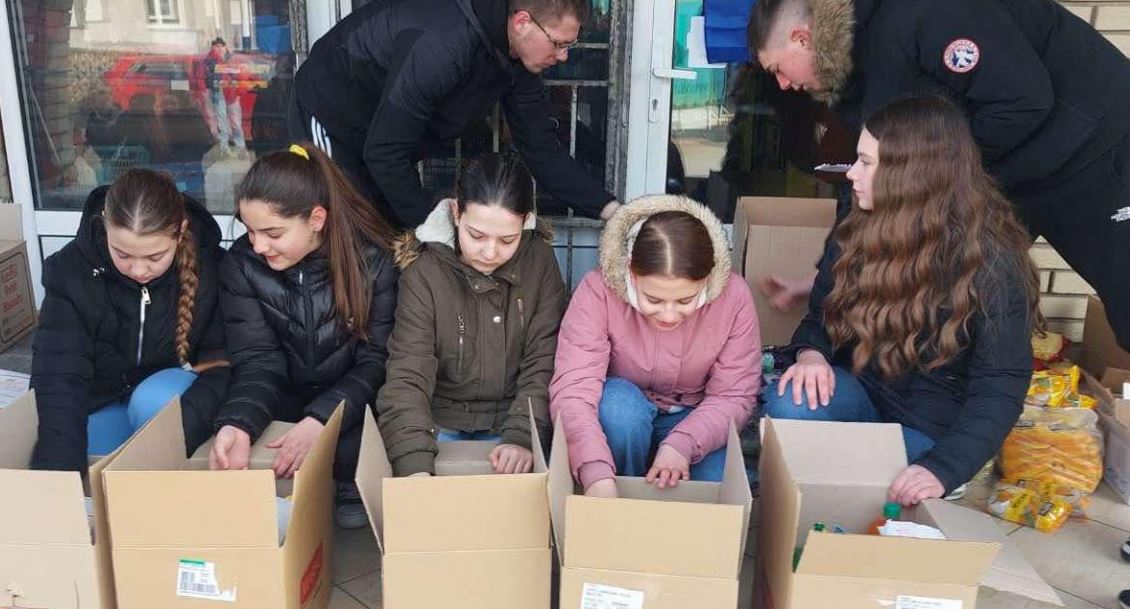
(201, 402)
(999, 372)
(425, 71)
(528, 114)
(359, 386)
(259, 368)
(62, 368)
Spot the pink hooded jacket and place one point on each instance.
(711, 362)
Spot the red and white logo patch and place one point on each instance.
(961, 56)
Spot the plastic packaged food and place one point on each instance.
(1041, 505)
(1055, 445)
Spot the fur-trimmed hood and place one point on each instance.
(438, 231)
(614, 241)
(833, 36)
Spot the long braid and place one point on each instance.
(189, 280)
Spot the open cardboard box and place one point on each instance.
(261, 456)
(188, 538)
(779, 236)
(465, 537)
(17, 302)
(1106, 369)
(650, 548)
(47, 557)
(838, 474)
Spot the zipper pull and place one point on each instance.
(462, 331)
(521, 314)
(300, 275)
(145, 300)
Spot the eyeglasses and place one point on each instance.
(560, 46)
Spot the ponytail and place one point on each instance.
(293, 182)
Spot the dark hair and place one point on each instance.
(763, 21)
(293, 184)
(915, 269)
(495, 180)
(673, 243)
(552, 10)
(218, 40)
(147, 202)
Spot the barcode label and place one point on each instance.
(197, 579)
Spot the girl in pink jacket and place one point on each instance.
(659, 351)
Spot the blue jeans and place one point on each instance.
(634, 428)
(110, 426)
(849, 404)
(452, 435)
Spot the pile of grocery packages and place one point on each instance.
(1052, 460)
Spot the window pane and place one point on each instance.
(118, 93)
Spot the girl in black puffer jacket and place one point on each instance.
(308, 299)
(131, 306)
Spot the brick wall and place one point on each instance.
(1063, 297)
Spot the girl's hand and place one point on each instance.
(511, 459)
(914, 485)
(231, 450)
(669, 467)
(602, 488)
(811, 376)
(294, 445)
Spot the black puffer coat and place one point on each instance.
(86, 350)
(287, 345)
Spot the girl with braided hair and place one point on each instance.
(131, 319)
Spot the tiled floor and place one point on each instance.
(1081, 560)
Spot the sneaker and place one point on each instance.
(1126, 551)
(957, 493)
(349, 512)
(1124, 599)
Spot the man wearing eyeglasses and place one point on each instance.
(397, 77)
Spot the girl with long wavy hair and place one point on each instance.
(924, 303)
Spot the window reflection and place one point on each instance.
(109, 85)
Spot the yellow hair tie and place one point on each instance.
(300, 151)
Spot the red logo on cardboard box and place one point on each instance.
(311, 578)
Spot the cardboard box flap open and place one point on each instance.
(261, 457)
(42, 508)
(875, 557)
(154, 503)
(313, 482)
(432, 514)
(815, 452)
(640, 507)
(11, 223)
(19, 430)
(697, 540)
(1009, 572)
(787, 211)
(1101, 350)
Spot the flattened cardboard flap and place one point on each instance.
(19, 431)
(1009, 572)
(875, 557)
(823, 452)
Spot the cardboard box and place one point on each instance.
(838, 474)
(779, 236)
(17, 302)
(261, 456)
(185, 538)
(47, 557)
(651, 548)
(1106, 368)
(465, 537)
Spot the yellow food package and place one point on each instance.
(1049, 347)
(1035, 505)
(1054, 445)
(1054, 387)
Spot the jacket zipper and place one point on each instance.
(145, 302)
(521, 315)
(309, 301)
(462, 331)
